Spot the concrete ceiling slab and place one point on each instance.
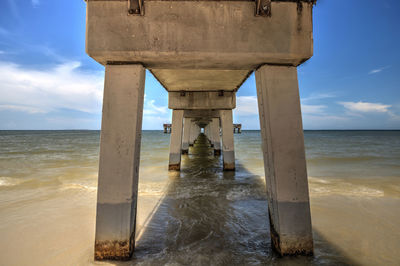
(200, 79)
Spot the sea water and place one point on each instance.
(201, 215)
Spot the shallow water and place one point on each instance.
(200, 216)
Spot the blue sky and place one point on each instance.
(48, 82)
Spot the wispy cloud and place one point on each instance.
(21, 108)
(246, 105)
(151, 109)
(61, 87)
(377, 70)
(366, 107)
(312, 109)
(318, 96)
(359, 108)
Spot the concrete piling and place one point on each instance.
(228, 151)
(215, 136)
(186, 135)
(284, 159)
(119, 161)
(176, 141)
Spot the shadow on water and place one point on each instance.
(211, 217)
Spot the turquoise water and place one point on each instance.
(200, 216)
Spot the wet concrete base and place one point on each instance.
(295, 237)
(174, 167)
(229, 166)
(114, 250)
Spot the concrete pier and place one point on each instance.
(201, 52)
(194, 132)
(228, 151)
(176, 141)
(215, 136)
(121, 129)
(284, 159)
(186, 135)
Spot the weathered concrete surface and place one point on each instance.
(199, 34)
(215, 136)
(200, 79)
(175, 39)
(201, 100)
(193, 133)
(284, 159)
(228, 151)
(186, 135)
(176, 141)
(201, 113)
(119, 161)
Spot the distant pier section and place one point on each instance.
(237, 128)
(167, 128)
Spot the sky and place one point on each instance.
(48, 82)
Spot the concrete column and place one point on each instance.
(215, 136)
(228, 151)
(119, 161)
(186, 135)
(284, 159)
(193, 133)
(176, 141)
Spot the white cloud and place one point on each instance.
(377, 70)
(151, 109)
(318, 96)
(365, 107)
(312, 109)
(41, 91)
(21, 108)
(246, 105)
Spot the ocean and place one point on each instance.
(201, 215)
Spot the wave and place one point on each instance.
(323, 187)
(9, 181)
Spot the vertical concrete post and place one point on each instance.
(194, 132)
(284, 159)
(119, 161)
(228, 151)
(186, 135)
(215, 136)
(175, 141)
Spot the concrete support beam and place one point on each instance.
(119, 161)
(176, 141)
(195, 100)
(228, 151)
(186, 135)
(284, 159)
(215, 136)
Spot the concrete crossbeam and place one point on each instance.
(201, 100)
